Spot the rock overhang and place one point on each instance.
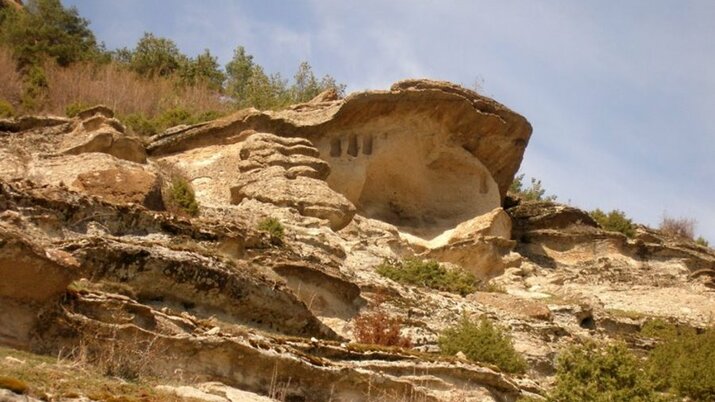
(424, 155)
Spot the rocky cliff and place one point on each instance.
(96, 255)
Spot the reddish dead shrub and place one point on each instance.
(379, 328)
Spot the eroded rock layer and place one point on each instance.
(219, 305)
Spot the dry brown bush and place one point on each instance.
(379, 328)
(11, 81)
(124, 91)
(129, 358)
(683, 228)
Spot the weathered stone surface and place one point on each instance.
(535, 215)
(480, 245)
(485, 257)
(525, 308)
(98, 110)
(33, 278)
(97, 132)
(296, 155)
(287, 172)
(123, 185)
(310, 197)
(417, 171)
(24, 123)
(424, 156)
(214, 392)
(91, 173)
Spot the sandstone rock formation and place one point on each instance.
(97, 131)
(424, 156)
(90, 261)
(90, 153)
(33, 279)
(288, 172)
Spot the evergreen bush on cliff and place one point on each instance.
(615, 221)
(482, 341)
(431, 274)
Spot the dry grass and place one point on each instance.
(683, 228)
(123, 91)
(52, 378)
(11, 81)
(110, 84)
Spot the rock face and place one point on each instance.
(98, 131)
(424, 156)
(287, 172)
(127, 185)
(90, 153)
(33, 279)
(90, 261)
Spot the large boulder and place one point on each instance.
(481, 245)
(96, 130)
(123, 185)
(93, 173)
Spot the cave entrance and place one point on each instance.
(412, 179)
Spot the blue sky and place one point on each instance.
(621, 94)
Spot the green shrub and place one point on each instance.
(73, 109)
(595, 373)
(482, 341)
(273, 227)
(173, 117)
(661, 329)
(6, 109)
(34, 88)
(615, 221)
(684, 363)
(206, 116)
(535, 192)
(182, 196)
(144, 125)
(139, 124)
(430, 274)
(702, 241)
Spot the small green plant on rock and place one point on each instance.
(6, 109)
(702, 241)
(182, 197)
(614, 221)
(535, 191)
(684, 361)
(73, 109)
(598, 373)
(274, 228)
(429, 273)
(482, 341)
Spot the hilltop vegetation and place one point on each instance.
(53, 63)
